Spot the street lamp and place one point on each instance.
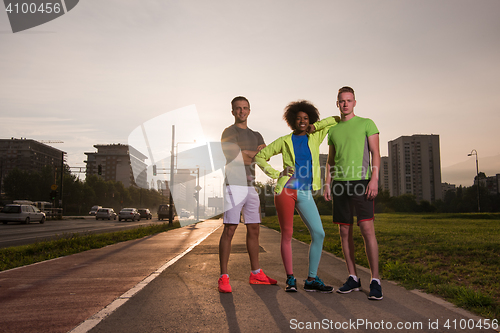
(474, 152)
(198, 188)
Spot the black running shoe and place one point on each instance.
(317, 285)
(291, 284)
(350, 285)
(375, 291)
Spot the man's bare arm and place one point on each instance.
(248, 155)
(328, 176)
(374, 147)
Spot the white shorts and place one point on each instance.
(238, 199)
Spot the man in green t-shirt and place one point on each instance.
(354, 160)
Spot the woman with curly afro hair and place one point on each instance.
(300, 176)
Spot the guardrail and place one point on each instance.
(54, 213)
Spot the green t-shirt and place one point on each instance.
(352, 156)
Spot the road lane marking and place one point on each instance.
(92, 321)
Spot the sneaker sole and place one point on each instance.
(225, 292)
(260, 282)
(291, 290)
(319, 291)
(373, 298)
(348, 291)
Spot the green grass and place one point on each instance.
(17, 256)
(455, 256)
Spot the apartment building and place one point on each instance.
(383, 176)
(492, 183)
(446, 187)
(118, 162)
(415, 167)
(27, 155)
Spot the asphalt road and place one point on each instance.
(15, 234)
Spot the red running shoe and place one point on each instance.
(261, 278)
(224, 286)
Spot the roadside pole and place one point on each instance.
(171, 185)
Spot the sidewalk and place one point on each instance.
(89, 292)
(57, 295)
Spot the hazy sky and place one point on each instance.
(98, 72)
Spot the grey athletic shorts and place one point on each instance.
(241, 199)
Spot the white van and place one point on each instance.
(94, 210)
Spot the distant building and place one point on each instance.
(163, 187)
(383, 178)
(27, 155)
(445, 187)
(492, 183)
(415, 167)
(117, 162)
(184, 189)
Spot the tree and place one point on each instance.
(426, 207)
(16, 185)
(383, 202)
(324, 207)
(404, 203)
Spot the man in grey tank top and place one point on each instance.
(240, 144)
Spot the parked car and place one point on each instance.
(185, 213)
(129, 214)
(105, 213)
(21, 213)
(145, 213)
(94, 210)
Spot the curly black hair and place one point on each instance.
(294, 108)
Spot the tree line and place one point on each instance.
(462, 200)
(78, 196)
